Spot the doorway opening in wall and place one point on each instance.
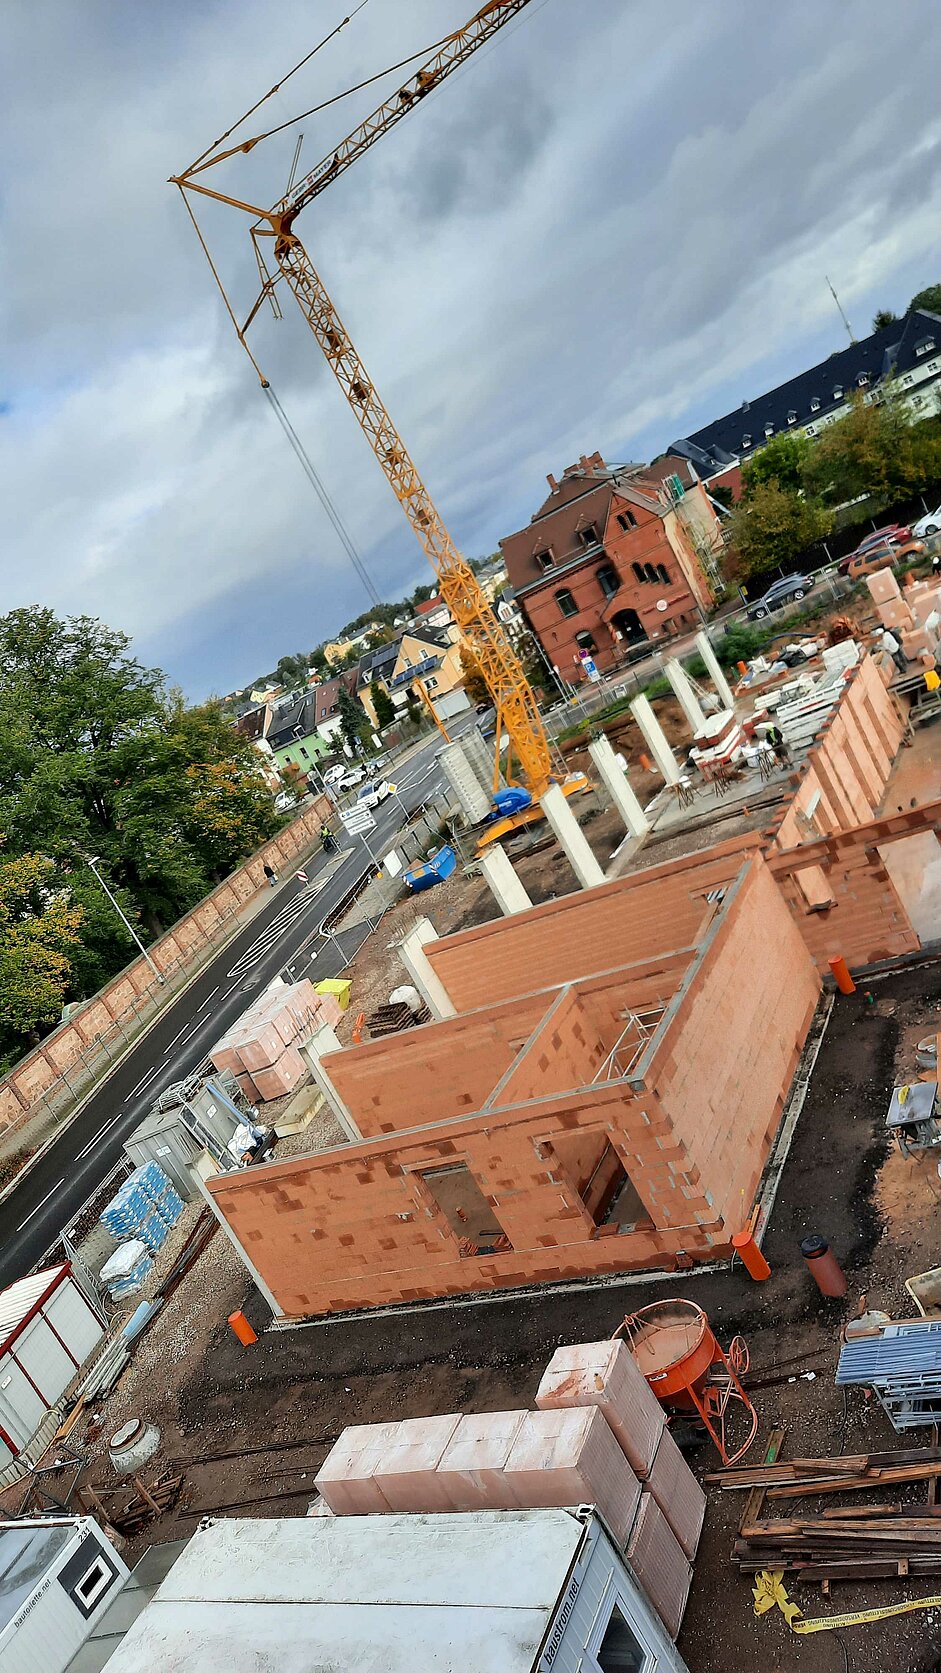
(602, 1181)
(466, 1209)
(629, 625)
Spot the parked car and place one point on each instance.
(351, 777)
(892, 535)
(927, 525)
(883, 557)
(284, 801)
(789, 590)
(334, 774)
(372, 794)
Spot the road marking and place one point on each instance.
(100, 1134)
(210, 999)
(42, 1204)
(149, 1076)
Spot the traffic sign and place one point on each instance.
(357, 820)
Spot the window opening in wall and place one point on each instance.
(608, 579)
(566, 602)
(93, 1584)
(837, 392)
(601, 1180)
(585, 640)
(638, 571)
(627, 520)
(746, 441)
(620, 1650)
(466, 1209)
(650, 572)
(544, 559)
(815, 403)
(589, 536)
(663, 574)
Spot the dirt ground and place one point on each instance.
(251, 1426)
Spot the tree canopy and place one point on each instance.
(774, 526)
(874, 450)
(929, 298)
(99, 759)
(781, 460)
(382, 704)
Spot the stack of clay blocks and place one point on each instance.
(909, 614)
(260, 1049)
(659, 1564)
(606, 1375)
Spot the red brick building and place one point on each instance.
(614, 556)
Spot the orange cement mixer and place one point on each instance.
(674, 1345)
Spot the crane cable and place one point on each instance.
(307, 466)
(277, 86)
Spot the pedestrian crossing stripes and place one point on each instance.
(289, 914)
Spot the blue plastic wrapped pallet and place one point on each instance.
(170, 1206)
(126, 1270)
(135, 1200)
(153, 1232)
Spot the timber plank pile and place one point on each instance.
(859, 1542)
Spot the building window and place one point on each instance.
(907, 378)
(746, 441)
(589, 536)
(584, 640)
(650, 572)
(608, 579)
(815, 403)
(627, 520)
(862, 379)
(304, 753)
(620, 1650)
(924, 347)
(663, 574)
(638, 571)
(811, 429)
(598, 1175)
(566, 602)
(468, 1213)
(769, 429)
(544, 558)
(792, 417)
(837, 392)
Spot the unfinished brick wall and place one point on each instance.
(861, 915)
(724, 1068)
(639, 916)
(844, 776)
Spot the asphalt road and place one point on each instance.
(55, 1188)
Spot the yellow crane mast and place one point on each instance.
(516, 708)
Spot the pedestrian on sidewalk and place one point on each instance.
(271, 874)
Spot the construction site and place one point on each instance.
(586, 1219)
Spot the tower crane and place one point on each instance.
(273, 231)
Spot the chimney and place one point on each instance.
(552, 482)
(585, 464)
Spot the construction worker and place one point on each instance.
(889, 643)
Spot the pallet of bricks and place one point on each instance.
(871, 1541)
(598, 1437)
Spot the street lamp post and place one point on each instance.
(91, 861)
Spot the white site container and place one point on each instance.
(519, 1591)
(48, 1328)
(58, 1575)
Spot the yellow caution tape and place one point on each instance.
(769, 1593)
(823, 1623)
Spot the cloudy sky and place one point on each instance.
(608, 228)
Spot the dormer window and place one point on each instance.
(792, 417)
(863, 379)
(746, 441)
(815, 403)
(543, 559)
(925, 346)
(589, 536)
(837, 392)
(769, 429)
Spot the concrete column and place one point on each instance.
(569, 836)
(505, 886)
(464, 783)
(615, 782)
(316, 1046)
(419, 967)
(685, 695)
(655, 739)
(716, 675)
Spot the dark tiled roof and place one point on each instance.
(296, 722)
(892, 347)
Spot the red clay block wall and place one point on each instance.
(723, 1072)
(637, 917)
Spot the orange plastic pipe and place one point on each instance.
(841, 975)
(243, 1330)
(742, 666)
(646, 762)
(751, 1256)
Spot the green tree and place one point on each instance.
(39, 929)
(382, 703)
(874, 450)
(883, 316)
(352, 717)
(929, 298)
(781, 460)
(773, 527)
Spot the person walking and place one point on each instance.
(271, 874)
